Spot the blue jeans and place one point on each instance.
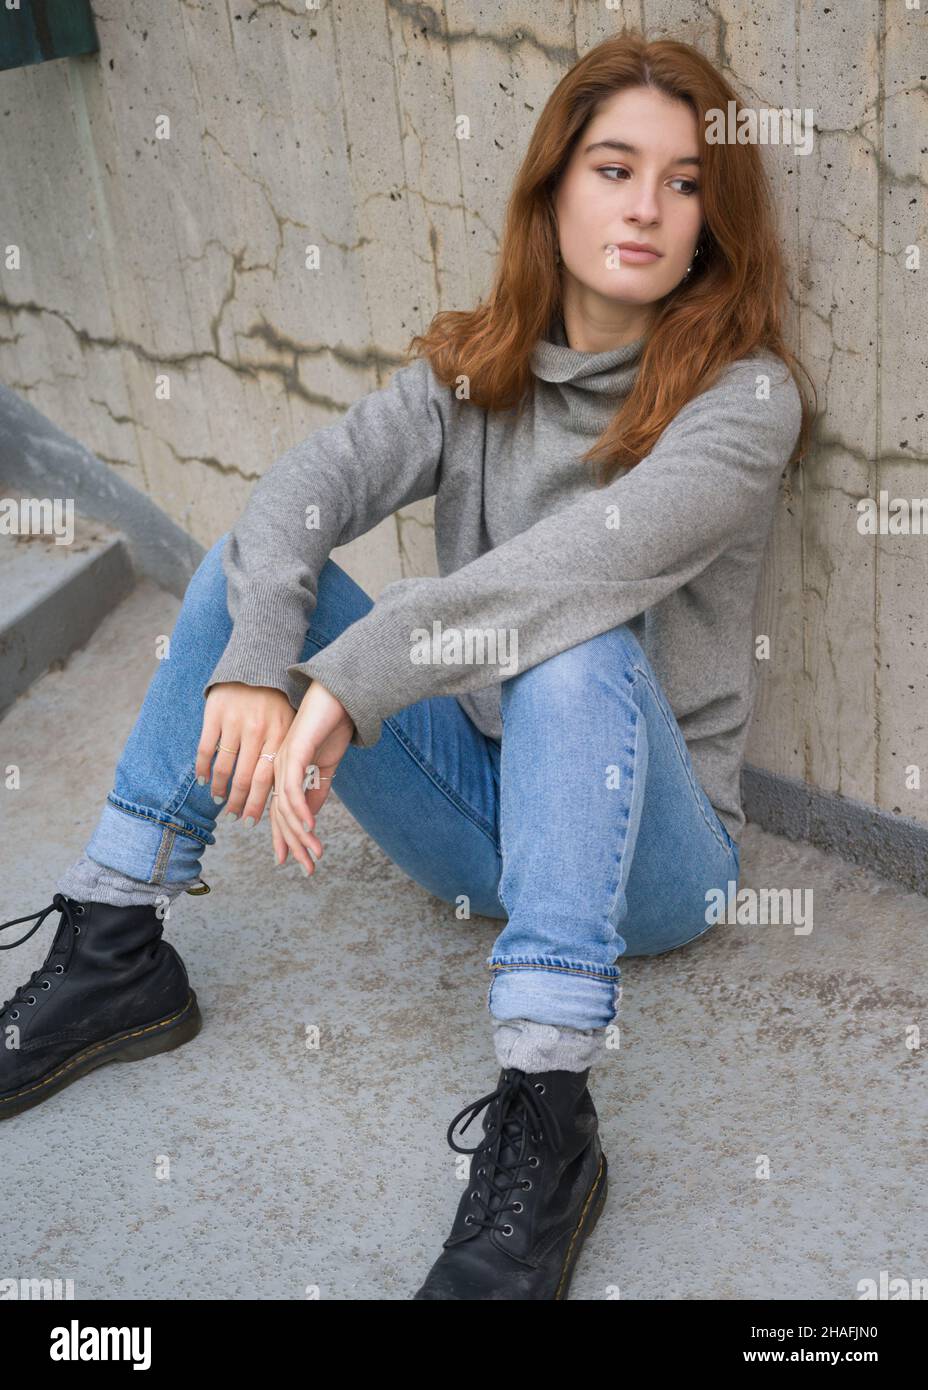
(585, 820)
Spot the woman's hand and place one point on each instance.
(247, 720)
(318, 736)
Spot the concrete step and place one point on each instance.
(54, 592)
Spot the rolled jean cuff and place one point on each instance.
(552, 989)
(144, 845)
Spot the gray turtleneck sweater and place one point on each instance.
(532, 558)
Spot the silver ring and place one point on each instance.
(270, 756)
(220, 749)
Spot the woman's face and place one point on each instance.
(641, 184)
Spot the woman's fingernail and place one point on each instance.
(249, 821)
(219, 799)
(232, 815)
(305, 870)
(201, 781)
(306, 826)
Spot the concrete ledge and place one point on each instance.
(42, 461)
(54, 597)
(894, 846)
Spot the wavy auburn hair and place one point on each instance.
(728, 307)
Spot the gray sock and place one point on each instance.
(534, 1047)
(88, 881)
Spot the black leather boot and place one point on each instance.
(110, 990)
(537, 1185)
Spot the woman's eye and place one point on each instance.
(618, 169)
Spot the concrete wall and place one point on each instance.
(185, 257)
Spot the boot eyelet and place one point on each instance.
(46, 984)
(468, 1220)
(517, 1206)
(78, 910)
(15, 1015)
(31, 999)
(473, 1196)
(526, 1184)
(77, 931)
(534, 1161)
(540, 1087)
(506, 1231)
(59, 969)
(479, 1172)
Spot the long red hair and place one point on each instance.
(728, 307)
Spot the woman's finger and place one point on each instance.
(227, 752)
(318, 779)
(290, 796)
(262, 783)
(294, 839)
(292, 823)
(246, 770)
(209, 737)
(280, 843)
(305, 839)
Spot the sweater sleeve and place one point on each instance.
(321, 493)
(709, 484)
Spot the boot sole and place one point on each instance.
(595, 1201)
(130, 1046)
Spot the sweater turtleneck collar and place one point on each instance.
(592, 384)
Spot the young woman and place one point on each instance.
(551, 731)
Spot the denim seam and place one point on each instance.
(442, 785)
(638, 717)
(145, 815)
(163, 856)
(555, 970)
(677, 735)
(435, 777)
(183, 791)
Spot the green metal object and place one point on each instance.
(40, 30)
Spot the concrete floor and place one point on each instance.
(294, 1169)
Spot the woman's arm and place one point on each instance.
(709, 485)
(321, 493)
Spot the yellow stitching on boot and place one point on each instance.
(81, 1056)
(557, 1292)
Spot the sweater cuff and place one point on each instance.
(364, 712)
(263, 630)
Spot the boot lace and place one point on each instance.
(69, 910)
(520, 1106)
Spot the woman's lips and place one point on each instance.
(629, 257)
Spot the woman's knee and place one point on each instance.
(340, 601)
(208, 581)
(570, 672)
